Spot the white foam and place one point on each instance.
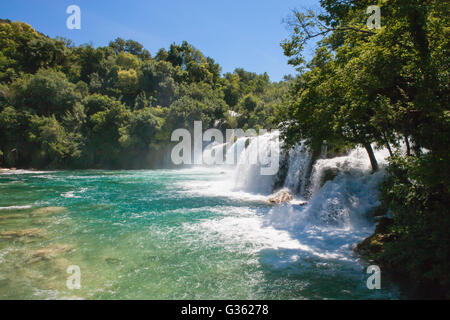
(327, 226)
(260, 153)
(16, 207)
(72, 195)
(249, 232)
(357, 162)
(21, 171)
(214, 182)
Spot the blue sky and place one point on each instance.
(236, 33)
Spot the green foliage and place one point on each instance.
(9, 131)
(144, 123)
(104, 127)
(63, 105)
(25, 50)
(14, 38)
(384, 87)
(127, 81)
(127, 61)
(159, 81)
(97, 103)
(55, 146)
(418, 194)
(45, 93)
(130, 46)
(197, 102)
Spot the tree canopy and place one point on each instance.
(63, 105)
(385, 87)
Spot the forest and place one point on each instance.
(68, 106)
(387, 87)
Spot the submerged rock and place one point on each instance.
(48, 211)
(283, 196)
(13, 234)
(11, 216)
(113, 261)
(49, 252)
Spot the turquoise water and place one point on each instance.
(181, 234)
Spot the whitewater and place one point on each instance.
(203, 232)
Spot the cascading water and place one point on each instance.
(311, 239)
(196, 233)
(261, 152)
(214, 151)
(340, 190)
(356, 163)
(234, 152)
(299, 158)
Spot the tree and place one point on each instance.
(55, 146)
(127, 81)
(14, 38)
(197, 102)
(138, 135)
(46, 93)
(104, 131)
(82, 106)
(386, 87)
(158, 81)
(11, 132)
(130, 46)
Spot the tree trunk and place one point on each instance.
(373, 159)
(408, 146)
(387, 144)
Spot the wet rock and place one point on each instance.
(328, 175)
(283, 196)
(379, 211)
(247, 143)
(373, 246)
(299, 203)
(282, 171)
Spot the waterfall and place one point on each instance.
(338, 189)
(299, 158)
(248, 156)
(261, 152)
(235, 151)
(212, 150)
(293, 164)
(356, 163)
